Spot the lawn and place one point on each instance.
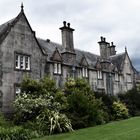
(121, 130)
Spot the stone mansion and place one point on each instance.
(22, 53)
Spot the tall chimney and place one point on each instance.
(68, 54)
(67, 37)
(104, 53)
(112, 49)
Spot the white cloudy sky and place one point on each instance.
(117, 20)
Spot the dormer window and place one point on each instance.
(99, 74)
(57, 68)
(84, 72)
(22, 62)
(116, 77)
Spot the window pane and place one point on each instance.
(59, 68)
(21, 62)
(27, 63)
(17, 63)
(55, 67)
(83, 72)
(116, 77)
(86, 72)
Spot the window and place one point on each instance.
(57, 68)
(84, 72)
(99, 74)
(17, 90)
(129, 79)
(116, 77)
(22, 62)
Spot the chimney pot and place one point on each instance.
(64, 22)
(101, 38)
(68, 25)
(48, 40)
(104, 39)
(112, 44)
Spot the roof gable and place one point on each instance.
(56, 56)
(118, 60)
(127, 62)
(6, 27)
(84, 61)
(98, 65)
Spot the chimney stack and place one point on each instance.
(67, 37)
(103, 48)
(112, 49)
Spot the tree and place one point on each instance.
(83, 109)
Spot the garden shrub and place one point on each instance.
(132, 101)
(15, 133)
(120, 110)
(107, 103)
(53, 122)
(83, 109)
(38, 104)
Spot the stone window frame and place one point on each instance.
(22, 61)
(99, 75)
(85, 72)
(116, 77)
(57, 68)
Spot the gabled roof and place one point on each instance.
(49, 47)
(84, 61)
(6, 27)
(118, 60)
(98, 65)
(56, 56)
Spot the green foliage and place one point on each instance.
(40, 105)
(83, 109)
(56, 121)
(3, 122)
(108, 101)
(120, 110)
(15, 133)
(128, 129)
(132, 101)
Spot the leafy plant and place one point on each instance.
(40, 105)
(120, 110)
(83, 109)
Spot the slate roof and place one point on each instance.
(4, 29)
(118, 60)
(48, 47)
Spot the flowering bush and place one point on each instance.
(120, 110)
(40, 103)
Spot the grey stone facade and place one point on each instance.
(21, 54)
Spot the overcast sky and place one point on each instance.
(117, 20)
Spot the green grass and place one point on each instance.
(122, 130)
